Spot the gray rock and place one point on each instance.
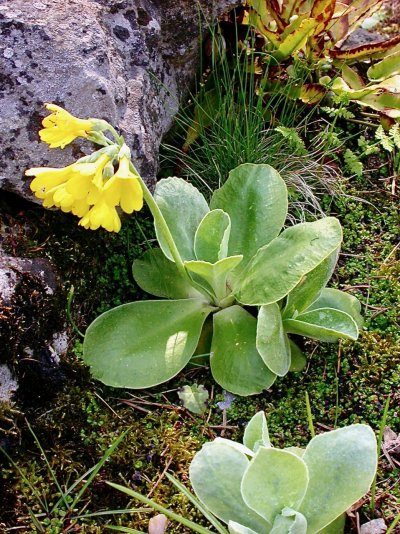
(32, 333)
(8, 384)
(127, 61)
(376, 526)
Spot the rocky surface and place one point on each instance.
(128, 61)
(32, 333)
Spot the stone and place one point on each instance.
(32, 331)
(376, 526)
(127, 61)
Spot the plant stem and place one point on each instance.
(165, 231)
(162, 224)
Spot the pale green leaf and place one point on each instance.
(236, 364)
(212, 236)
(352, 78)
(336, 527)
(194, 398)
(275, 479)
(297, 359)
(214, 274)
(289, 522)
(342, 466)
(272, 342)
(183, 207)
(157, 275)
(278, 267)
(255, 197)
(296, 450)
(339, 300)
(256, 432)
(310, 286)
(145, 343)
(389, 66)
(216, 473)
(295, 40)
(236, 528)
(324, 324)
(236, 445)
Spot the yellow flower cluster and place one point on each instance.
(61, 128)
(88, 188)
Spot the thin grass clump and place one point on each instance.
(231, 120)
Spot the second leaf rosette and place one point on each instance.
(246, 286)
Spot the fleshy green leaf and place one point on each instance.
(352, 78)
(310, 286)
(341, 465)
(183, 207)
(295, 40)
(157, 275)
(216, 473)
(236, 364)
(278, 267)
(272, 342)
(215, 274)
(141, 344)
(389, 66)
(336, 527)
(297, 359)
(235, 528)
(289, 522)
(255, 197)
(256, 432)
(339, 300)
(324, 324)
(212, 236)
(236, 445)
(275, 479)
(296, 450)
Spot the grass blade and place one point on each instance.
(98, 466)
(125, 529)
(172, 515)
(114, 512)
(43, 504)
(393, 524)
(379, 445)
(210, 517)
(309, 416)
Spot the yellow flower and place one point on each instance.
(124, 188)
(74, 188)
(61, 128)
(102, 214)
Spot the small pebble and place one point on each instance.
(8, 53)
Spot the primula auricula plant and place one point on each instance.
(233, 286)
(257, 489)
(237, 286)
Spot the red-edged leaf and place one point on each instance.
(312, 93)
(348, 17)
(365, 51)
(322, 11)
(352, 78)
